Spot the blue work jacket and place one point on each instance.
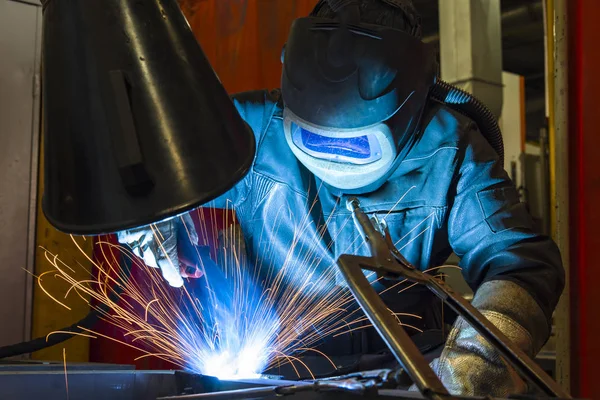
(449, 194)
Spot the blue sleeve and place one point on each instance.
(492, 231)
(256, 108)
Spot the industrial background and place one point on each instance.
(539, 56)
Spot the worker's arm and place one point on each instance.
(160, 246)
(256, 108)
(517, 273)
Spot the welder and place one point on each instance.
(356, 117)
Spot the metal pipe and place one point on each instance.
(251, 393)
(557, 72)
(544, 191)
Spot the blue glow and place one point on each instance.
(238, 325)
(358, 150)
(356, 147)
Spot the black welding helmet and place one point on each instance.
(353, 95)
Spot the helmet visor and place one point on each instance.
(364, 148)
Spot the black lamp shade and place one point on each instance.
(137, 126)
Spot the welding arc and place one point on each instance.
(83, 325)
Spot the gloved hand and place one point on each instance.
(157, 245)
(469, 366)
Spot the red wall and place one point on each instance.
(243, 39)
(584, 120)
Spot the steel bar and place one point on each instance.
(250, 393)
(398, 341)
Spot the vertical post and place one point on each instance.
(471, 48)
(558, 143)
(513, 128)
(544, 184)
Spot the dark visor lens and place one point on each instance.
(356, 147)
(359, 150)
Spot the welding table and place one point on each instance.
(43, 380)
(37, 380)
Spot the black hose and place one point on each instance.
(86, 322)
(468, 105)
(40, 343)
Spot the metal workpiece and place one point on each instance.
(386, 261)
(57, 381)
(250, 393)
(49, 381)
(302, 391)
(90, 384)
(347, 386)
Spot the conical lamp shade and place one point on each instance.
(138, 127)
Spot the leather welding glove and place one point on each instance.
(470, 366)
(157, 245)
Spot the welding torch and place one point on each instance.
(389, 263)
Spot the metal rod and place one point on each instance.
(560, 64)
(397, 340)
(543, 188)
(251, 393)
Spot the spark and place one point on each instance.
(244, 316)
(414, 228)
(367, 326)
(66, 377)
(148, 306)
(47, 293)
(413, 239)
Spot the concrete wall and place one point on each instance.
(20, 34)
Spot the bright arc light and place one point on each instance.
(239, 324)
(248, 364)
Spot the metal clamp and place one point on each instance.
(387, 261)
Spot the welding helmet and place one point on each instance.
(353, 96)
